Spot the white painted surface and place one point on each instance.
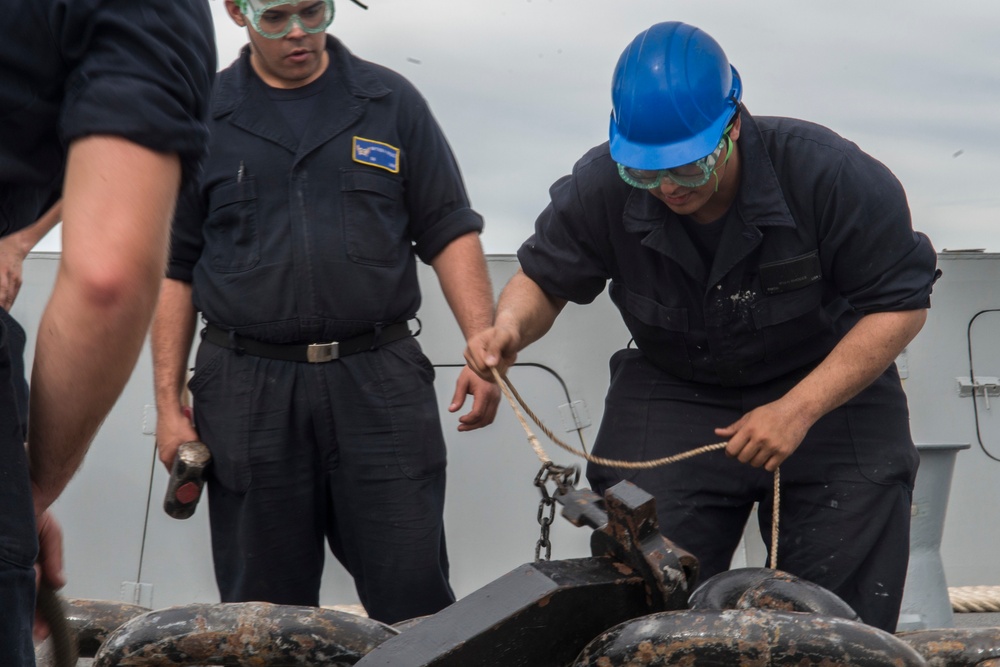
(492, 503)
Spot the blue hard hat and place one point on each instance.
(673, 93)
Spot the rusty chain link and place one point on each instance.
(564, 478)
(515, 399)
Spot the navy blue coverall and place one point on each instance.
(68, 69)
(292, 241)
(819, 235)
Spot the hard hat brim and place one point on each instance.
(665, 156)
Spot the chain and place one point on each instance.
(564, 478)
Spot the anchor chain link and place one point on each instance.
(563, 478)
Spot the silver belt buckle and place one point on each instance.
(320, 353)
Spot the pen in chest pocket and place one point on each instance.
(241, 180)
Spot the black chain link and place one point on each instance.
(564, 478)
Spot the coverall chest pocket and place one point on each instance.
(659, 330)
(231, 237)
(375, 218)
(789, 318)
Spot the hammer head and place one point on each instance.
(187, 478)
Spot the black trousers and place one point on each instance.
(18, 537)
(350, 452)
(845, 493)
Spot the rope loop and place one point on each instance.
(515, 400)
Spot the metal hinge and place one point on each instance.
(137, 593)
(984, 386)
(149, 419)
(903, 364)
(574, 416)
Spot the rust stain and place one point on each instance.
(623, 568)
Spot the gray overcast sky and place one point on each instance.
(522, 88)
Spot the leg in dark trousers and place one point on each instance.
(18, 539)
(349, 452)
(845, 492)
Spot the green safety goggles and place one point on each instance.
(691, 175)
(275, 19)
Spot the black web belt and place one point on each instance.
(315, 353)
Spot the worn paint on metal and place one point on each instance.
(582, 507)
(765, 588)
(539, 614)
(248, 633)
(632, 537)
(545, 613)
(90, 622)
(956, 647)
(93, 621)
(749, 638)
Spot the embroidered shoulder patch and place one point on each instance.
(376, 153)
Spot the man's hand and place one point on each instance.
(495, 347)
(11, 268)
(49, 568)
(766, 436)
(15, 247)
(485, 399)
(172, 430)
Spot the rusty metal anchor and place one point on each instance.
(545, 612)
(747, 637)
(628, 604)
(765, 588)
(957, 647)
(85, 624)
(247, 633)
(93, 621)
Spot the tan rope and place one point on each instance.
(539, 451)
(774, 518)
(514, 398)
(508, 389)
(975, 599)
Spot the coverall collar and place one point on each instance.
(238, 94)
(759, 203)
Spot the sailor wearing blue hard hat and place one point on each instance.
(676, 102)
(768, 273)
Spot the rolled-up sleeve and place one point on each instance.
(186, 239)
(140, 70)
(567, 254)
(436, 197)
(878, 262)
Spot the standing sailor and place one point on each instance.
(769, 275)
(327, 179)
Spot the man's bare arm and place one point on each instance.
(771, 433)
(465, 281)
(525, 313)
(118, 201)
(170, 339)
